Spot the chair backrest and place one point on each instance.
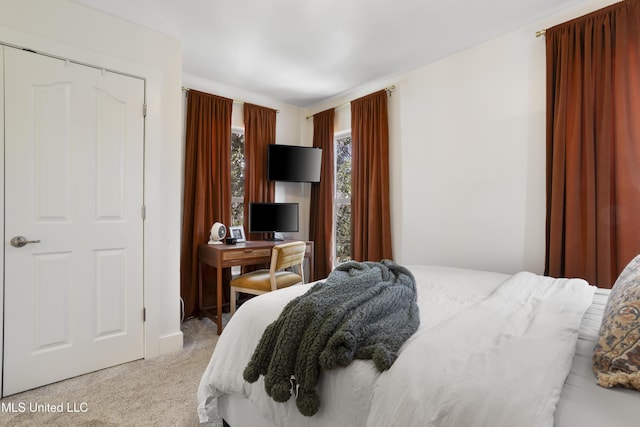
(288, 255)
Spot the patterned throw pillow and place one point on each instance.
(616, 356)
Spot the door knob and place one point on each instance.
(20, 241)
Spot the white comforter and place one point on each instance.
(492, 350)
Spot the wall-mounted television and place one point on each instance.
(293, 163)
(273, 218)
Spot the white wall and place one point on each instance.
(467, 153)
(472, 176)
(289, 130)
(63, 28)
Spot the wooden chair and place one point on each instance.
(261, 281)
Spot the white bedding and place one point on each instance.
(491, 350)
(582, 402)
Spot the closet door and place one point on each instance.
(73, 222)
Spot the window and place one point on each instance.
(342, 197)
(237, 177)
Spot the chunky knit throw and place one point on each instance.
(364, 310)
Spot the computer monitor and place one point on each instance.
(272, 218)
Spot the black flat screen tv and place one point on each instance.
(293, 163)
(273, 217)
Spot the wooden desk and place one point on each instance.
(225, 256)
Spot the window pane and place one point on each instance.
(237, 178)
(343, 199)
(237, 213)
(237, 164)
(343, 168)
(343, 233)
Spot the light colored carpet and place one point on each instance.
(157, 392)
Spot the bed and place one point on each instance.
(491, 350)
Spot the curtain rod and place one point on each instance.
(186, 90)
(541, 33)
(388, 89)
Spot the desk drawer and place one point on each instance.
(239, 254)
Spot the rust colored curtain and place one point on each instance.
(207, 184)
(259, 131)
(370, 210)
(321, 224)
(593, 144)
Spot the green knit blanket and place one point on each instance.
(364, 310)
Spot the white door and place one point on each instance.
(74, 186)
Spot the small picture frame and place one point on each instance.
(238, 233)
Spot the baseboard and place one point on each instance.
(170, 343)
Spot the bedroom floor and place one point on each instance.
(158, 391)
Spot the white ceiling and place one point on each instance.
(304, 52)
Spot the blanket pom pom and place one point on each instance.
(328, 360)
(340, 352)
(383, 358)
(344, 355)
(250, 373)
(281, 391)
(308, 402)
